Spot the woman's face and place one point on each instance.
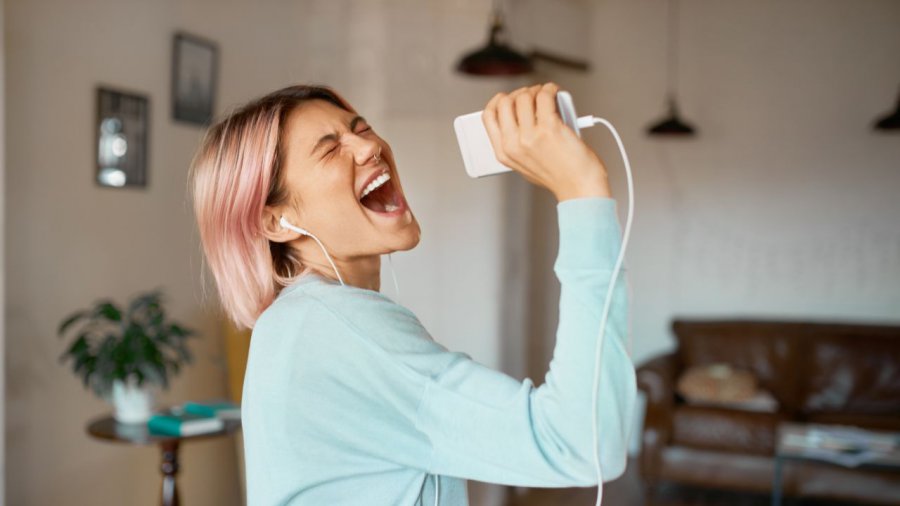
(339, 191)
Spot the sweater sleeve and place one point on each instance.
(488, 426)
(470, 421)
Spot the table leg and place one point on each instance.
(776, 481)
(169, 468)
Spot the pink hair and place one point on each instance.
(235, 174)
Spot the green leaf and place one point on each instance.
(145, 299)
(79, 346)
(70, 320)
(109, 311)
(179, 331)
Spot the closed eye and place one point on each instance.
(330, 151)
(333, 137)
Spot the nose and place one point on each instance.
(365, 149)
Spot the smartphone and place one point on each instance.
(475, 145)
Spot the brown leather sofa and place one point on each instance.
(829, 373)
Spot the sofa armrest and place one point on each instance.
(656, 378)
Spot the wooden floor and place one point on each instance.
(629, 491)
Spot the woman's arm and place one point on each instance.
(487, 426)
(544, 436)
(385, 388)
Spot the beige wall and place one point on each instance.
(2, 255)
(72, 242)
(785, 205)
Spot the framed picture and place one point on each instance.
(122, 125)
(194, 74)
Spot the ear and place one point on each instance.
(271, 226)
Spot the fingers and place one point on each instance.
(546, 105)
(524, 107)
(528, 135)
(506, 117)
(511, 118)
(491, 124)
(516, 115)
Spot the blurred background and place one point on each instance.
(782, 205)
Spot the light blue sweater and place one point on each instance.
(348, 400)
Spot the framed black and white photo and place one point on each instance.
(122, 126)
(194, 69)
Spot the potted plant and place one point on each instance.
(121, 354)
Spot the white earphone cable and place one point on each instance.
(286, 224)
(329, 258)
(394, 276)
(437, 489)
(583, 122)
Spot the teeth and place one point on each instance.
(391, 207)
(378, 181)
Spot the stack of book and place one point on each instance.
(219, 409)
(193, 417)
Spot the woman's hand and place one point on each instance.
(528, 136)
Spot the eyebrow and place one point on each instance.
(334, 137)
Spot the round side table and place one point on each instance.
(109, 429)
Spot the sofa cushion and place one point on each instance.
(767, 349)
(762, 402)
(724, 386)
(716, 383)
(850, 370)
(725, 429)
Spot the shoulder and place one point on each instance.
(358, 313)
(364, 329)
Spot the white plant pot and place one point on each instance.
(132, 404)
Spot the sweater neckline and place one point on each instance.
(306, 279)
(313, 277)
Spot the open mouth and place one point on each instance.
(382, 196)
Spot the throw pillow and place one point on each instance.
(723, 385)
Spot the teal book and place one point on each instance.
(219, 409)
(170, 423)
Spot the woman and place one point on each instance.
(347, 399)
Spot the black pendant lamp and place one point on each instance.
(891, 121)
(672, 124)
(495, 59)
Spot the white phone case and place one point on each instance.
(475, 145)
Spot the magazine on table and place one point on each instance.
(845, 445)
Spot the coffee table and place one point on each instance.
(835, 444)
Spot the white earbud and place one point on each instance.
(286, 224)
